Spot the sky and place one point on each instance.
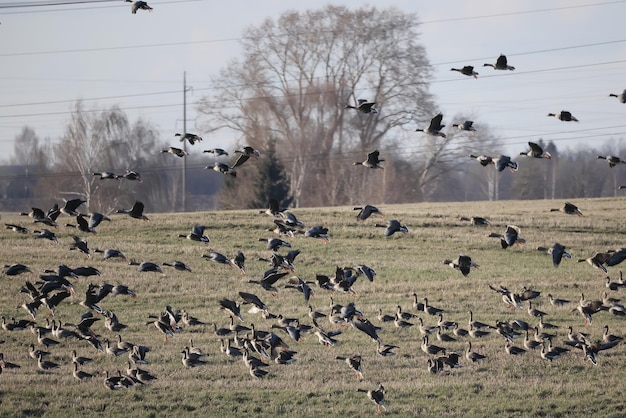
(569, 55)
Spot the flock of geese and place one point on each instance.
(257, 348)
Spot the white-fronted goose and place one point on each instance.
(191, 138)
(536, 151)
(377, 396)
(501, 64)
(372, 161)
(393, 226)
(363, 106)
(138, 5)
(135, 212)
(612, 160)
(557, 251)
(467, 125)
(621, 97)
(366, 211)
(435, 127)
(563, 116)
(467, 70)
(175, 151)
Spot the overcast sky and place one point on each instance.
(569, 55)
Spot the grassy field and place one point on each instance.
(317, 383)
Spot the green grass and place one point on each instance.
(317, 384)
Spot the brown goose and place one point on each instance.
(612, 160)
(435, 127)
(372, 161)
(363, 106)
(563, 116)
(501, 64)
(536, 151)
(467, 70)
(138, 5)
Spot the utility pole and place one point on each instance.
(184, 179)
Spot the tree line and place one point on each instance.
(292, 96)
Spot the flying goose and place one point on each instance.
(222, 168)
(363, 106)
(135, 212)
(536, 151)
(107, 175)
(216, 151)
(71, 205)
(501, 64)
(476, 220)
(191, 138)
(173, 150)
(621, 97)
(557, 251)
(569, 209)
(563, 116)
(196, 234)
(465, 126)
(435, 127)
(392, 227)
(132, 176)
(510, 237)
(612, 160)
(462, 263)
(367, 211)
(467, 70)
(138, 5)
(372, 161)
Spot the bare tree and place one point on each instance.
(96, 141)
(298, 74)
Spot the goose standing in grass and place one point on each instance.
(377, 396)
(372, 161)
(46, 365)
(392, 227)
(135, 212)
(563, 116)
(367, 211)
(536, 151)
(435, 127)
(612, 160)
(363, 106)
(473, 356)
(467, 70)
(501, 64)
(621, 97)
(557, 301)
(467, 126)
(191, 138)
(175, 151)
(79, 374)
(138, 5)
(463, 263)
(569, 209)
(149, 266)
